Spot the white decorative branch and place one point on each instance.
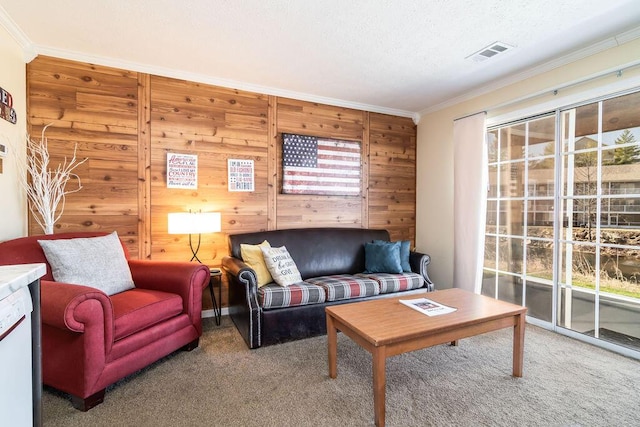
(46, 188)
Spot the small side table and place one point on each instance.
(216, 276)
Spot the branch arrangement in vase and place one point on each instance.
(46, 188)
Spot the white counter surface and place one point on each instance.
(14, 277)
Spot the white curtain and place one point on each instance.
(469, 200)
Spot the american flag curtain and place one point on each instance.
(313, 165)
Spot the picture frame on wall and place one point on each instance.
(240, 175)
(182, 171)
(320, 166)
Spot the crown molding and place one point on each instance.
(28, 51)
(628, 36)
(593, 49)
(206, 79)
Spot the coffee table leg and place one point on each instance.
(332, 340)
(518, 345)
(379, 384)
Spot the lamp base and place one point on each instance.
(194, 252)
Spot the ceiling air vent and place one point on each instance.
(490, 51)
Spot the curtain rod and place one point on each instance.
(618, 71)
(469, 115)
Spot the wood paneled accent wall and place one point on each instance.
(296, 210)
(392, 175)
(126, 123)
(217, 124)
(97, 109)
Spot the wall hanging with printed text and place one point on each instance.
(6, 107)
(182, 171)
(240, 173)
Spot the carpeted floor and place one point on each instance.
(222, 383)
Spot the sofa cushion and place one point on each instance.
(276, 296)
(282, 267)
(138, 309)
(98, 262)
(405, 251)
(395, 282)
(382, 257)
(345, 286)
(252, 256)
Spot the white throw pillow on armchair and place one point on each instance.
(98, 262)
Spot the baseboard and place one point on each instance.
(209, 313)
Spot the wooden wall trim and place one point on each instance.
(272, 178)
(144, 166)
(364, 189)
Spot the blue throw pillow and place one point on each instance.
(382, 258)
(405, 249)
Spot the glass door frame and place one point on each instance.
(561, 203)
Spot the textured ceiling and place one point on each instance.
(397, 56)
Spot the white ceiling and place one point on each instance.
(396, 56)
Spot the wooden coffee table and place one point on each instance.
(385, 327)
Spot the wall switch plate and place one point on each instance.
(3, 150)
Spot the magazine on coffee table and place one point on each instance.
(427, 306)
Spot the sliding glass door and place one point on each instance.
(599, 290)
(563, 218)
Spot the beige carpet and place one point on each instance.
(222, 383)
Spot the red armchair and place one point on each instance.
(91, 340)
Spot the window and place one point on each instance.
(563, 218)
(518, 263)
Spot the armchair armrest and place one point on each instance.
(187, 279)
(76, 308)
(419, 263)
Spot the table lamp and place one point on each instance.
(194, 223)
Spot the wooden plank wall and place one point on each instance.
(392, 176)
(217, 124)
(97, 108)
(127, 122)
(295, 210)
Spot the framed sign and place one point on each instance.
(6, 107)
(182, 171)
(240, 175)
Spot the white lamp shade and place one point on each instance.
(194, 222)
